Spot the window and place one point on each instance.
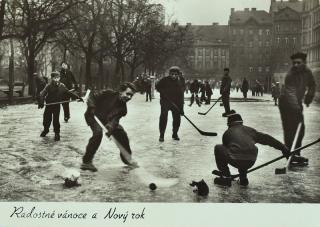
(268, 31)
(278, 40)
(260, 31)
(251, 44)
(234, 31)
(287, 40)
(250, 69)
(267, 69)
(250, 32)
(241, 31)
(294, 40)
(277, 27)
(267, 43)
(223, 52)
(260, 69)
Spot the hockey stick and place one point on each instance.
(66, 101)
(144, 176)
(218, 173)
(284, 169)
(210, 107)
(200, 131)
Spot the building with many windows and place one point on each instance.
(250, 44)
(286, 20)
(311, 35)
(210, 54)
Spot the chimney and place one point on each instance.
(253, 9)
(215, 23)
(188, 24)
(232, 10)
(246, 9)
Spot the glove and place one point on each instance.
(110, 127)
(181, 112)
(40, 105)
(80, 100)
(285, 151)
(308, 100)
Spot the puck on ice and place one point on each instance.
(152, 186)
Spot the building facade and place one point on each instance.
(287, 24)
(250, 45)
(210, 54)
(311, 35)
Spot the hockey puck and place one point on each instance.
(152, 186)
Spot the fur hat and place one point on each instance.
(55, 74)
(174, 69)
(299, 55)
(234, 118)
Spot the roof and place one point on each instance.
(296, 5)
(210, 34)
(241, 17)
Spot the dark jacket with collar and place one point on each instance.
(240, 141)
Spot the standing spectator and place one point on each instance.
(194, 89)
(40, 83)
(203, 92)
(69, 81)
(170, 93)
(208, 91)
(225, 91)
(275, 91)
(147, 84)
(245, 88)
(299, 85)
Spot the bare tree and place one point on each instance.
(35, 22)
(2, 13)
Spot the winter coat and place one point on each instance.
(56, 93)
(275, 91)
(225, 85)
(194, 87)
(107, 106)
(245, 86)
(298, 85)
(40, 83)
(241, 140)
(170, 91)
(67, 78)
(208, 90)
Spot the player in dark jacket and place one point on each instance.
(194, 89)
(225, 91)
(239, 150)
(67, 78)
(170, 92)
(108, 106)
(208, 91)
(40, 83)
(299, 84)
(54, 92)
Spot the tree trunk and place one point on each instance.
(11, 73)
(116, 77)
(132, 71)
(30, 70)
(88, 71)
(100, 72)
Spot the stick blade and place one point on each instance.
(280, 171)
(202, 113)
(208, 133)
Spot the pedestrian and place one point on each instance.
(245, 88)
(208, 92)
(239, 150)
(67, 78)
(109, 107)
(170, 92)
(187, 86)
(194, 90)
(147, 84)
(54, 92)
(299, 85)
(203, 92)
(225, 91)
(40, 83)
(275, 91)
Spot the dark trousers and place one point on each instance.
(164, 119)
(148, 95)
(290, 121)
(223, 159)
(245, 94)
(94, 142)
(66, 110)
(208, 99)
(226, 103)
(51, 113)
(275, 100)
(194, 96)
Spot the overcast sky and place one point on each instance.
(204, 12)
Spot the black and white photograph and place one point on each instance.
(159, 105)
